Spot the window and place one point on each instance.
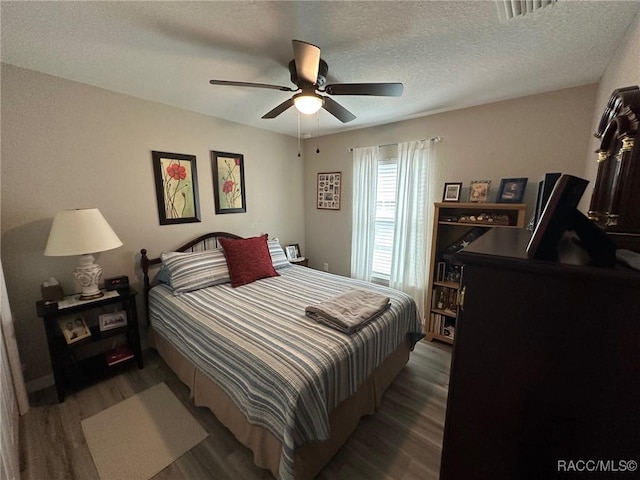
(384, 222)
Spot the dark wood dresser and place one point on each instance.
(545, 368)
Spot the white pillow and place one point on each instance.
(278, 257)
(194, 270)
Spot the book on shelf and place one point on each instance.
(119, 354)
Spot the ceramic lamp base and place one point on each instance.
(88, 276)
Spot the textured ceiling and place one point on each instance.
(448, 54)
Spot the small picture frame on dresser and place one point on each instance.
(479, 191)
(452, 192)
(511, 190)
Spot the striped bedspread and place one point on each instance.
(285, 371)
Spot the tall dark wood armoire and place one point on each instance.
(615, 203)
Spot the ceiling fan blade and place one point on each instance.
(279, 109)
(337, 110)
(249, 84)
(378, 89)
(307, 58)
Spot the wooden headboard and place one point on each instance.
(208, 241)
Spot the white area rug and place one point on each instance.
(140, 436)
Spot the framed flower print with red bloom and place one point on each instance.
(228, 182)
(176, 187)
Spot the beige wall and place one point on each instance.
(525, 137)
(623, 71)
(69, 145)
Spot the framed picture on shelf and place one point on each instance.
(329, 190)
(176, 187)
(479, 190)
(228, 182)
(511, 190)
(74, 328)
(442, 267)
(109, 321)
(452, 192)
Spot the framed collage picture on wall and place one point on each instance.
(329, 190)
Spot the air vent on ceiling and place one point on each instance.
(508, 9)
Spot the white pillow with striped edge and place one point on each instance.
(278, 257)
(191, 271)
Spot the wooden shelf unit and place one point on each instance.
(447, 230)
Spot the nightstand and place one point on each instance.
(303, 263)
(87, 359)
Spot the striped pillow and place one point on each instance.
(194, 270)
(278, 257)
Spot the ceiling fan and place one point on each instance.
(309, 74)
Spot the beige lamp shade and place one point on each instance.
(82, 232)
(78, 232)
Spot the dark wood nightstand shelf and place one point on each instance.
(302, 263)
(85, 361)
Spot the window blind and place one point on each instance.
(385, 214)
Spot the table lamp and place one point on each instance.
(82, 232)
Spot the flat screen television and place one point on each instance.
(561, 216)
(545, 187)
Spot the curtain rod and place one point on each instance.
(432, 140)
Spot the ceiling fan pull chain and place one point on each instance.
(318, 133)
(298, 134)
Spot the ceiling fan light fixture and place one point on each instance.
(308, 103)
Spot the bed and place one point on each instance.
(289, 388)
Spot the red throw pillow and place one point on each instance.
(248, 259)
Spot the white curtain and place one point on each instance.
(365, 181)
(409, 259)
(13, 395)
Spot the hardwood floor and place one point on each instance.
(402, 440)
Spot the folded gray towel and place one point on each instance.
(350, 311)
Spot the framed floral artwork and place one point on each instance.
(228, 182)
(329, 190)
(176, 187)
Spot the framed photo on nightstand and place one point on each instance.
(109, 321)
(293, 251)
(73, 328)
